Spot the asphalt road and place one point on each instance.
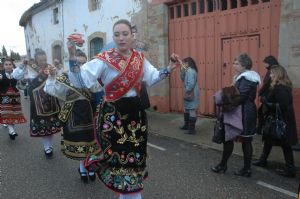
(177, 169)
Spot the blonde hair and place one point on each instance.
(280, 77)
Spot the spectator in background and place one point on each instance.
(246, 82)
(269, 62)
(280, 92)
(188, 75)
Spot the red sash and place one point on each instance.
(130, 73)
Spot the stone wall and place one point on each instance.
(289, 39)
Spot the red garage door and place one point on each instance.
(213, 32)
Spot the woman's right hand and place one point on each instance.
(52, 71)
(72, 49)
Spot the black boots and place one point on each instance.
(192, 125)
(219, 168)
(186, 121)
(243, 172)
(247, 151)
(189, 124)
(290, 170)
(262, 161)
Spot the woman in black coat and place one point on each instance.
(281, 93)
(246, 81)
(269, 62)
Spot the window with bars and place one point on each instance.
(193, 8)
(223, 4)
(233, 4)
(203, 6)
(244, 3)
(178, 11)
(210, 5)
(172, 13)
(186, 10)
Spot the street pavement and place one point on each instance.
(168, 125)
(178, 167)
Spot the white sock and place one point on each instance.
(11, 129)
(47, 142)
(81, 167)
(131, 196)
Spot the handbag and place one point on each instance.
(274, 127)
(219, 130)
(189, 96)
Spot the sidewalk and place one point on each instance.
(168, 124)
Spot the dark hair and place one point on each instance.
(38, 52)
(191, 63)
(271, 61)
(10, 60)
(244, 60)
(123, 21)
(80, 53)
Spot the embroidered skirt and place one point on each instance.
(10, 108)
(44, 110)
(121, 132)
(78, 132)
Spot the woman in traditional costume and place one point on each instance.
(10, 100)
(76, 113)
(121, 126)
(44, 109)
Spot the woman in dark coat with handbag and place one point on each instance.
(269, 62)
(280, 93)
(246, 81)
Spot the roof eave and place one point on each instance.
(36, 8)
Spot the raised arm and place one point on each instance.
(19, 72)
(153, 75)
(52, 87)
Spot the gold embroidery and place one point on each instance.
(127, 171)
(65, 111)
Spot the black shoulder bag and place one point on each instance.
(274, 127)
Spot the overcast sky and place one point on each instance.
(11, 34)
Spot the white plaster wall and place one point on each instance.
(76, 17)
(43, 32)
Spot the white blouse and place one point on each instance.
(98, 69)
(22, 72)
